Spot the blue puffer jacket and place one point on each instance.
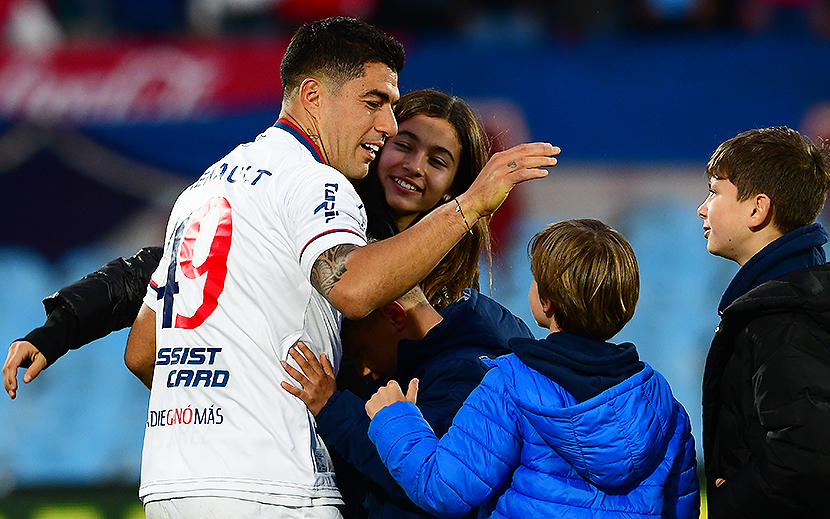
(447, 363)
(525, 446)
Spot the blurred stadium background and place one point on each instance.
(109, 108)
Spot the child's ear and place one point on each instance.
(547, 307)
(761, 215)
(395, 313)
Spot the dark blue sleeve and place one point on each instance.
(445, 386)
(343, 424)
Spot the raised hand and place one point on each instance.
(503, 171)
(389, 394)
(316, 378)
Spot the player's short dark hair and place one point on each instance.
(780, 163)
(338, 48)
(588, 272)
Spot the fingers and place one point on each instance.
(372, 407)
(310, 358)
(526, 161)
(523, 175)
(316, 378)
(529, 155)
(328, 369)
(292, 389)
(21, 354)
(10, 375)
(306, 359)
(387, 395)
(296, 375)
(412, 391)
(38, 363)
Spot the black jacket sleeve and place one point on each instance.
(96, 305)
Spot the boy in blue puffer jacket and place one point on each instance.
(568, 426)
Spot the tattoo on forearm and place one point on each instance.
(330, 267)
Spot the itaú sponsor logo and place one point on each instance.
(161, 83)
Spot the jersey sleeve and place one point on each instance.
(325, 211)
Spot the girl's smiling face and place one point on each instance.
(417, 166)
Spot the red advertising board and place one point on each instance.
(139, 81)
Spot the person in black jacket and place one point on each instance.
(766, 384)
(405, 339)
(96, 305)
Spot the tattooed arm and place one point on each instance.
(329, 267)
(357, 280)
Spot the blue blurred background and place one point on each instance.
(109, 108)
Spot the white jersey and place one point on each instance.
(231, 295)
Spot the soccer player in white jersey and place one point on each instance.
(268, 247)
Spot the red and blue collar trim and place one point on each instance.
(302, 137)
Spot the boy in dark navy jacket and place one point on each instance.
(404, 339)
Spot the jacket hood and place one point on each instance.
(583, 367)
(615, 439)
(471, 319)
(806, 291)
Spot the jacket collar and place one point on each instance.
(584, 367)
(285, 124)
(798, 249)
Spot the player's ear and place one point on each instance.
(395, 313)
(310, 94)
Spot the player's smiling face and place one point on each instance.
(357, 119)
(417, 166)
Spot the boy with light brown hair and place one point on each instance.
(570, 425)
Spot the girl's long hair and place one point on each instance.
(460, 267)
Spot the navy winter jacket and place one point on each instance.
(447, 364)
